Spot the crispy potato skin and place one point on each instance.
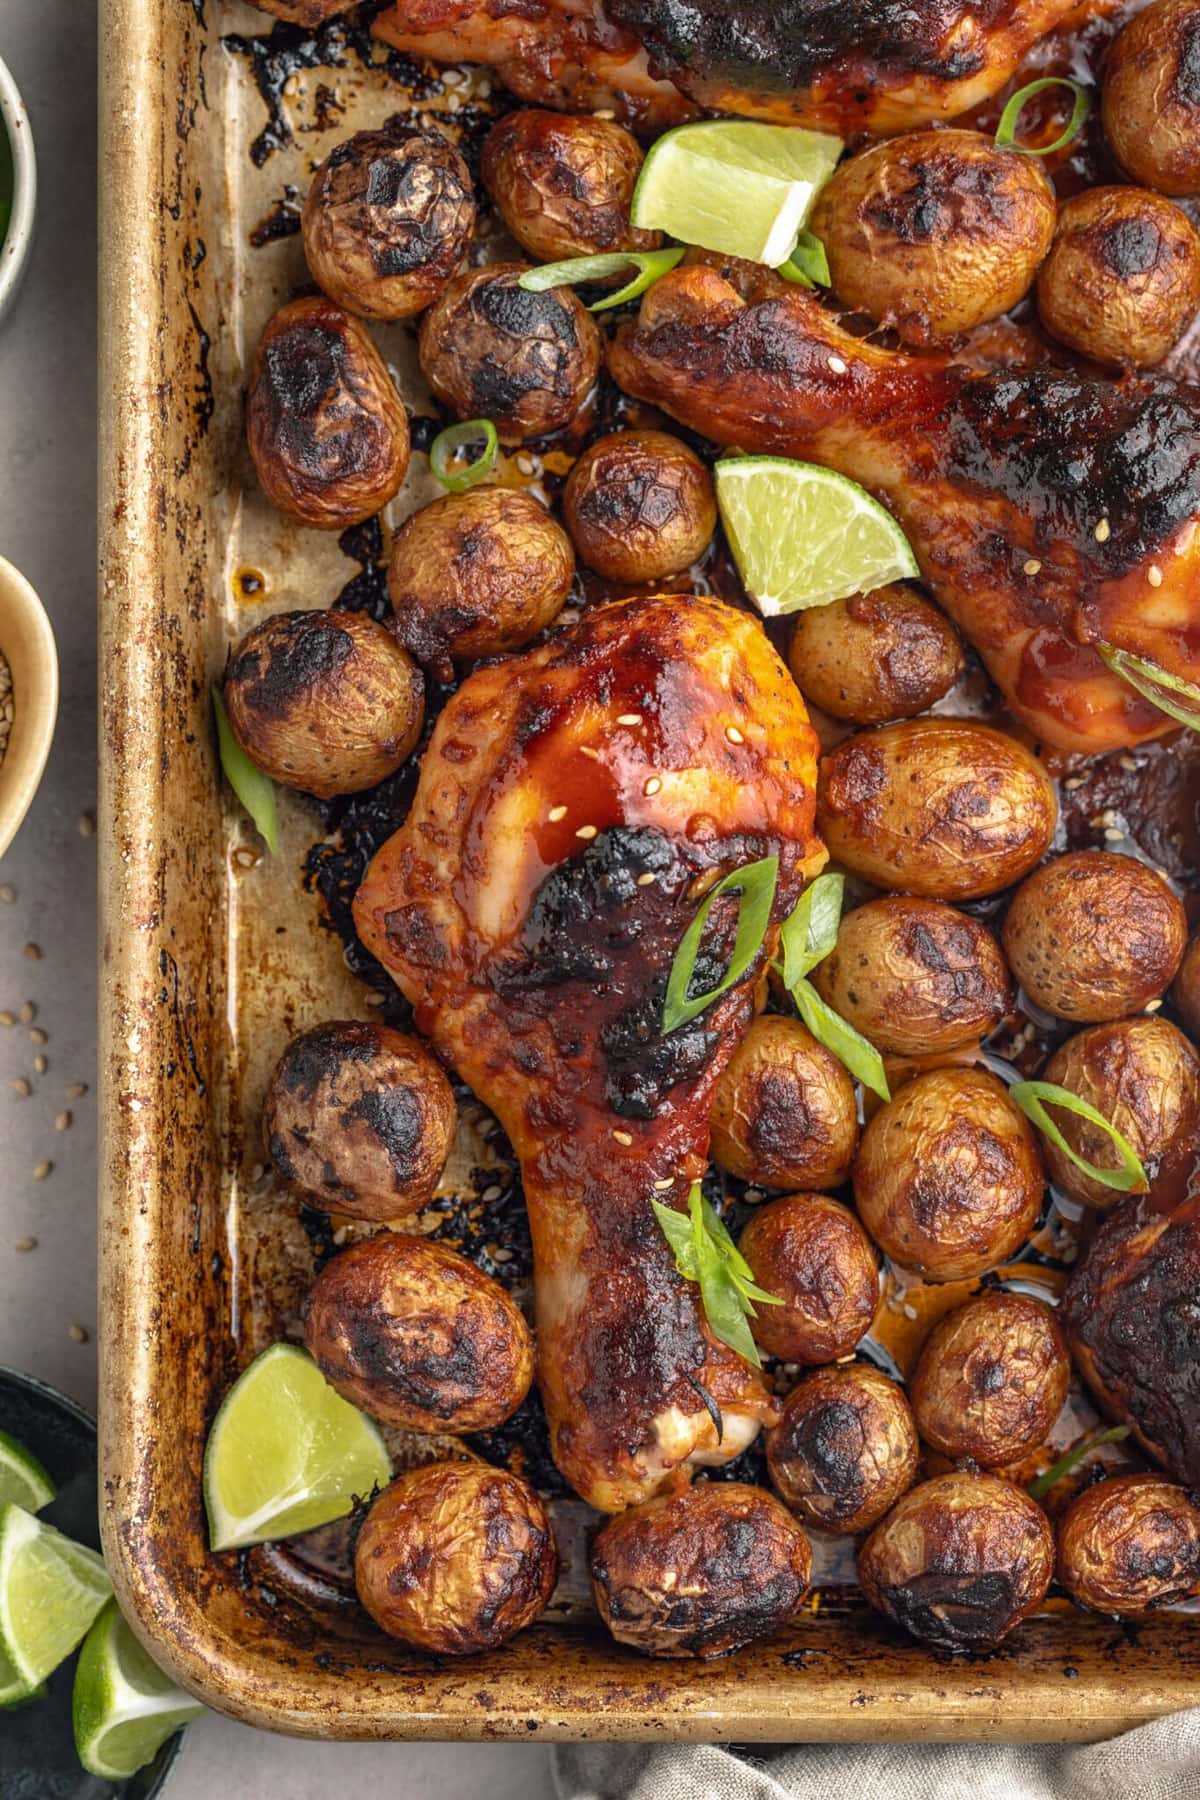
(639, 506)
(934, 232)
(959, 1561)
(1186, 990)
(875, 657)
(815, 1256)
(360, 1118)
(948, 1179)
(1151, 99)
(845, 1448)
(915, 977)
(784, 1113)
(1092, 936)
(1128, 1545)
(941, 808)
(490, 350)
(991, 1379)
(418, 1336)
(1122, 281)
(388, 220)
(563, 183)
(327, 702)
(701, 1572)
(328, 432)
(455, 1558)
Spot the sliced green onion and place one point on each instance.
(650, 266)
(705, 1253)
(808, 264)
(1149, 679)
(809, 933)
(849, 1046)
(255, 790)
(1037, 1490)
(447, 444)
(1006, 130)
(1033, 1096)
(756, 885)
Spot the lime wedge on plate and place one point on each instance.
(734, 186)
(22, 1477)
(802, 536)
(124, 1708)
(50, 1591)
(286, 1453)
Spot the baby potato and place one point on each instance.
(942, 808)
(418, 1336)
(814, 1256)
(934, 232)
(700, 1572)
(1150, 102)
(1129, 1545)
(1093, 936)
(455, 1557)
(328, 432)
(1186, 991)
(639, 506)
(948, 1179)
(884, 655)
(992, 1379)
(959, 1561)
(845, 1448)
(784, 1112)
(301, 12)
(563, 183)
(327, 702)
(915, 977)
(1121, 284)
(360, 1118)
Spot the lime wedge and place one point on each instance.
(124, 1708)
(22, 1477)
(50, 1591)
(734, 186)
(286, 1453)
(802, 536)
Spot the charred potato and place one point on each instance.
(915, 977)
(948, 1179)
(563, 183)
(491, 350)
(992, 1379)
(1186, 991)
(455, 1557)
(1151, 98)
(388, 220)
(814, 1256)
(784, 1112)
(934, 232)
(959, 1561)
(361, 1119)
(875, 657)
(301, 12)
(639, 506)
(327, 702)
(327, 430)
(701, 1572)
(1129, 1545)
(845, 1448)
(418, 1336)
(942, 808)
(1092, 936)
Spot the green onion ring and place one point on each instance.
(447, 444)
(1006, 130)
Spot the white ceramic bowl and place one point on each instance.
(27, 644)
(14, 251)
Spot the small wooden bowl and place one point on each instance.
(27, 646)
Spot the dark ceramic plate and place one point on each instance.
(37, 1750)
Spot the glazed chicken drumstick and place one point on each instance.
(574, 803)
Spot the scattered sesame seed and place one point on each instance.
(525, 463)
(492, 1192)
(87, 824)
(1033, 566)
(33, 952)
(28, 1013)
(1073, 783)
(734, 735)
(837, 365)
(376, 999)
(604, 112)
(1108, 816)
(660, 1187)
(647, 880)
(25, 1243)
(77, 1090)
(78, 1335)
(40, 1065)
(341, 1234)
(652, 786)
(41, 1170)
(556, 813)
(1154, 575)
(587, 831)
(910, 1311)
(8, 892)
(1103, 532)
(586, 750)
(7, 1018)
(38, 1036)
(1112, 834)
(1152, 1005)
(501, 1255)
(1131, 763)
(22, 1087)
(62, 1121)
(629, 718)
(623, 1137)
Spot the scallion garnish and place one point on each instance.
(705, 1253)
(650, 265)
(447, 445)
(1149, 679)
(808, 264)
(255, 790)
(1034, 1096)
(807, 937)
(1006, 130)
(1037, 1490)
(756, 885)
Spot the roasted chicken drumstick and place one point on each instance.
(574, 804)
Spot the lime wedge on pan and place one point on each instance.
(124, 1708)
(22, 1477)
(50, 1591)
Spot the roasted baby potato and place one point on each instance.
(1186, 991)
(959, 1561)
(639, 506)
(992, 1379)
(845, 1448)
(327, 702)
(418, 1336)
(884, 655)
(784, 1112)
(476, 574)
(934, 232)
(701, 1572)
(388, 221)
(327, 430)
(301, 12)
(812, 1253)
(948, 1179)
(360, 1118)
(455, 1557)
(563, 183)
(491, 350)
(915, 977)
(937, 807)
(1093, 936)
(1129, 1545)
(1151, 99)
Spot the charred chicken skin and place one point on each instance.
(574, 804)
